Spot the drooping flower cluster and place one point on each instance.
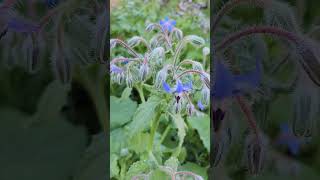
(227, 85)
(161, 62)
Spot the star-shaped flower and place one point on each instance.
(167, 24)
(180, 88)
(227, 84)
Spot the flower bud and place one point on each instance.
(157, 55)
(129, 80)
(177, 106)
(143, 71)
(161, 77)
(178, 34)
(205, 51)
(190, 109)
(134, 41)
(205, 95)
(254, 154)
(195, 40)
(150, 27)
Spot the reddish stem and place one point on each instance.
(258, 30)
(228, 7)
(250, 117)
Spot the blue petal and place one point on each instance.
(188, 86)
(19, 25)
(284, 128)
(224, 82)
(173, 22)
(115, 69)
(200, 105)
(250, 80)
(169, 28)
(179, 87)
(166, 18)
(166, 87)
(294, 146)
(161, 22)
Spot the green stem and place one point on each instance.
(93, 82)
(165, 133)
(140, 91)
(123, 166)
(154, 128)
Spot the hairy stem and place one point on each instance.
(257, 30)
(165, 133)
(250, 117)
(141, 94)
(153, 130)
(125, 45)
(230, 5)
(206, 81)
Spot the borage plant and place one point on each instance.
(171, 90)
(249, 76)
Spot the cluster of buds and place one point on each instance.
(161, 63)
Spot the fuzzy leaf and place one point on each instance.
(56, 94)
(57, 143)
(202, 125)
(114, 168)
(144, 114)
(121, 111)
(137, 168)
(138, 142)
(181, 126)
(92, 164)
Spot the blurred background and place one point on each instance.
(286, 106)
(50, 128)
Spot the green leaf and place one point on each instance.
(93, 162)
(173, 163)
(126, 93)
(114, 168)
(138, 142)
(137, 168)
(181, 126)
(192, 167)
(144, 115)
(46, 150)
(159, 175)
(202, 125)
(121, 111)
(51, 101)
(118, 140)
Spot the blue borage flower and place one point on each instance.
(227, 85)
(115, 69)
(167, 24)
(21, 26)
(287, 138)
(180, 88)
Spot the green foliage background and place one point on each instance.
(131, 119)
